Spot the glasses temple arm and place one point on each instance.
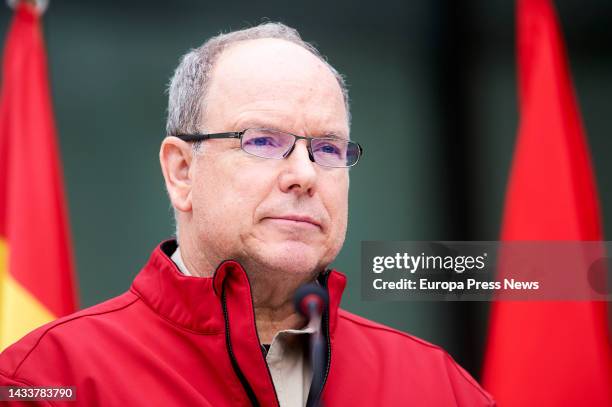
(202, 137)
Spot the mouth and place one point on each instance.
(295, 220)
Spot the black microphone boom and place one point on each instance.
(311, 301)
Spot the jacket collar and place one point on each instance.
(194, 303)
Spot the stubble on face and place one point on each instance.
(243, 205)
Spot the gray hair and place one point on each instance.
(188, 86)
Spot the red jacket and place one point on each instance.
(190, 341)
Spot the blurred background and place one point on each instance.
(433, 95)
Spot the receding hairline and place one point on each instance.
(242, 43)
(189, 85)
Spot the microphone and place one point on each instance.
(311, 301)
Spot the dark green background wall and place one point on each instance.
(432, 87)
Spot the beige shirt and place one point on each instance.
(287, 358)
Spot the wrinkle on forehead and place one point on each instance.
(273, 122)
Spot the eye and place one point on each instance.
(262, 141)
(327, 148)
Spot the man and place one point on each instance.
(256, 167)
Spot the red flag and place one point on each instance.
(548, 353)
(36, 266)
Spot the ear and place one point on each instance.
(175, 157)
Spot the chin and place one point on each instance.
(290, 257)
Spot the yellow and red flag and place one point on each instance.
(36, 263)
(548, 353)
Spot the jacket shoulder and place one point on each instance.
(408, 350)
(51, 339)
(382, 332)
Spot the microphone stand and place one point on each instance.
(311, 301)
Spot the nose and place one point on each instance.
(299, 174)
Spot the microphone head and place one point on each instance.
(310, 298)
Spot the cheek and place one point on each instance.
(226, 194)
(336, 201)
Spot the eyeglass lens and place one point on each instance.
(328, 152)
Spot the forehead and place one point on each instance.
(277, 82)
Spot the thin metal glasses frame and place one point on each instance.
(238, 135)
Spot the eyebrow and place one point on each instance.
(332, 134)
(257, 124)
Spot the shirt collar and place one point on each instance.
(178, 260)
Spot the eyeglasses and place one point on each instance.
(266, 143)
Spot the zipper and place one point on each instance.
(243, 380)
(262, 355)
(245, 384)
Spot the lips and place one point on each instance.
(299, 219)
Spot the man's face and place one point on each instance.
(288, 215)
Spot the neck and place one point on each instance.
(272, 293)
(270, 321)
(273, 303)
